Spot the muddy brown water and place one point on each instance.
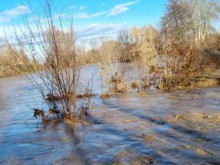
(181, 127)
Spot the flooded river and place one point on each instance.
(181, 127)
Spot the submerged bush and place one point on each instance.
(117, 84)
(171, 83)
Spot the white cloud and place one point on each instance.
(118, 9)
(84, 15)
(121, 8)
(98, 30)
(82, 8)
(8, 15)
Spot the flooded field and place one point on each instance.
(181, 127)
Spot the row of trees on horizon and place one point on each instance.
(186, 29)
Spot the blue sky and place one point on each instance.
(92, 18)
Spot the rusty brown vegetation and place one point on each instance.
(118, 84)
(13, 61)
(105, 95)
(175, 56)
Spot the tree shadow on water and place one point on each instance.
(137, 144)
(195, 136)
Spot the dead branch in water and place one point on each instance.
(40, 113)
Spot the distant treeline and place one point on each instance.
(179, 46)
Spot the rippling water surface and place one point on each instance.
(180, 127)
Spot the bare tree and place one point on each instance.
(11, 64)
(52, 39)
(177, 21)
(125, 45)
(203, 14)
(144, 40)
(186, 20)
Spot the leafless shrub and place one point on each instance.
(105, 95)
(135, 85)
(40, 113)
(117, 84)
(53, 41)
(85, 95)
(13, 61)
(145, 84)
